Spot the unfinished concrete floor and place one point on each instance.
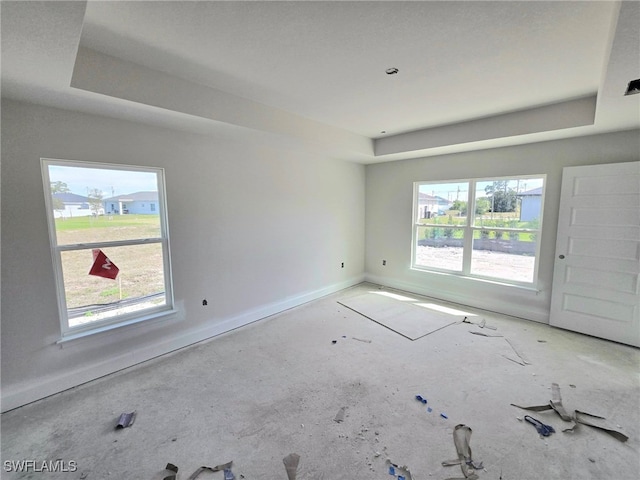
(261, 392)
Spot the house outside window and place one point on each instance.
(111, 270)
(479, 228)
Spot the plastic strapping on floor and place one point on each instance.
(461, 439)
(579, 417)
(226, 467)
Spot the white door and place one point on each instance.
(597, 267)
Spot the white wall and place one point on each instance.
(254, 230)
(72, 211)
(389, 204)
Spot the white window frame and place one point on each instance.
(73, 332)
(470, 227)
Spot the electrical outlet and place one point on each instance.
(384, 262)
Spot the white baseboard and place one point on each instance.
(19, 395)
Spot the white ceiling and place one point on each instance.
(471, 74)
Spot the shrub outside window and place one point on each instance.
(482, 228)
(110, 244)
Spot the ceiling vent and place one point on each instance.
(633, 87)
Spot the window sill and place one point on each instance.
(155, 317)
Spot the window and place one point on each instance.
(111, 268)
(481, 228)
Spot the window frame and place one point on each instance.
(470, 227)
(67, 331)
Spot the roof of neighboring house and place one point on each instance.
(68, 197)
(134, 197)
(531, 193)
(426, 197)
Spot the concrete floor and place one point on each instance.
(261, 392)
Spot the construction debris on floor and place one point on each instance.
(280, 386)
(578, 417)
(400, 472)
(461, 439)
(126, 420)
(291, 462)
(544, 430)
(225, 468)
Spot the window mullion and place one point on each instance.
(107, 244)
(468, 232)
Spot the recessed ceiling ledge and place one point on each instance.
(107, 75)
(568, 114)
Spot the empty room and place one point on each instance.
(320, 240)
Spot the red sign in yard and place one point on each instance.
(102, 266)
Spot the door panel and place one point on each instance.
(596, 287)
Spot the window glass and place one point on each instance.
(112, 204)
(501, 255)
(440, 248)
(138, 286)
(436, 200)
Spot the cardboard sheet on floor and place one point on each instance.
(409, 319)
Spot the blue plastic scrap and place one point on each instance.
(126, 420)
(444, 415)
(397, 471)
(421, 398)
(544, 430)
(429, 409)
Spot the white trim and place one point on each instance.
(83, 334)
(467, 249)
(69, 247)
(36, 389)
